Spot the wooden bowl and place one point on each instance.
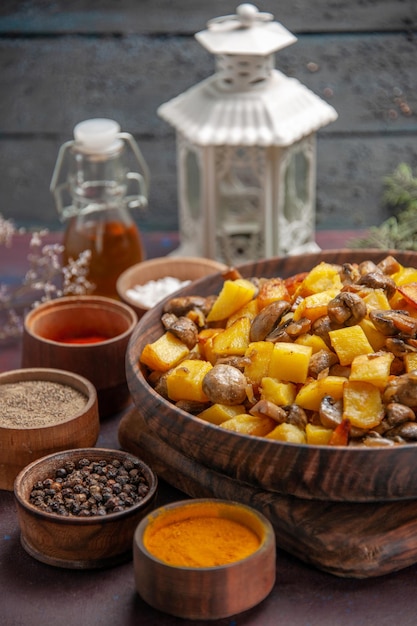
(49, 328)
(311, 472)
(21, 443)
(183, 268)
(78, 542)
(205, 592)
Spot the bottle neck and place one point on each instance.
(90, 197)
(97, 184)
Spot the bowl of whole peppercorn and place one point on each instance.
(79, 509)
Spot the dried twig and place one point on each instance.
(45, 279)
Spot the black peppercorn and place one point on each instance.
(89, 488)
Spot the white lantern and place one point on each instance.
(246, 147)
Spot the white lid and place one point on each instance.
(248, 32)
(97, 136)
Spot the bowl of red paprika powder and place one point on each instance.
(87, 335)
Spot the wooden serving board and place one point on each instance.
(357, 540)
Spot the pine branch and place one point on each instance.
(397, 232)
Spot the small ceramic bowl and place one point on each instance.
(72, 541)
(181, 268)
(26, 435)
(87, 335)
(202, 592)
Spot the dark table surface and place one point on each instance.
(34, 594)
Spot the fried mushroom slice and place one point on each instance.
(321, 360)
(237, 361)
(395, 414)
(394, 322)
(349, 273)
(290, 414)
(299, 327)
(191, 406)
(182, 327)
(321, 327)
(225, 384)
(366, 267)
(346, 308)
(400, 347)
(402, 389)
(296, 415)
(389, 265)
(407, 431)
(267, 319)
(158, 381)
(331, 412)
(266, 408)
(182, 305)
(379, 280)
(374, 440)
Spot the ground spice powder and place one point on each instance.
(201, 541)
(34, 403)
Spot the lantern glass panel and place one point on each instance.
(239, 222)
(193, 185)
(297, 186)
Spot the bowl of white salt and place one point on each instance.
(145, 284)
(43, 411)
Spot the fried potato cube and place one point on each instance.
(278, 392)
(410, 361)
(349, 342)
(259, 353)
(219, 413)
(233, 295)
(205, 343)
(270, 291)
(409, 293)
(289, 362)
(318, 435)
(405, 275)
(314, 306)
(376, 299)
(164, 353)
(287, 432)
(294, 282)
(373, 335)
(316, 342)
(185, 381)
(249, 310)
(234, 339)
(362, 404)
(249, 425)
(322, 277)
(310, 395)
(372, 368)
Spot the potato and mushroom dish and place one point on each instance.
(326, 357)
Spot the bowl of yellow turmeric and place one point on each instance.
(218, 556)
(294, 375)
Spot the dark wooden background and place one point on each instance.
(62, 62)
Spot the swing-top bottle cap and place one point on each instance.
(97, 136)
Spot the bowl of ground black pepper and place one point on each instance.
(43, 411)
(79, 509)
